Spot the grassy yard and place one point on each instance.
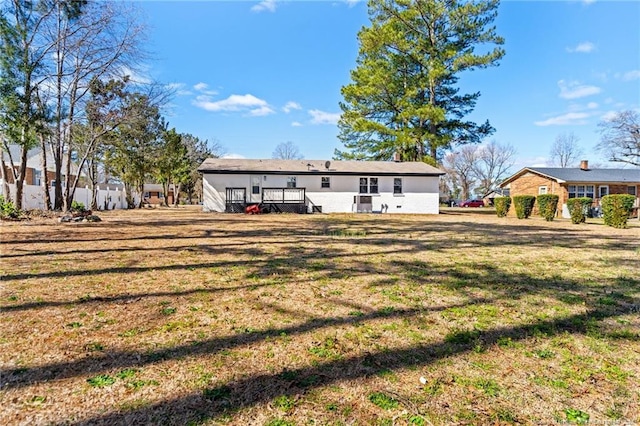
(178, 317)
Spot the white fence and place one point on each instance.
(108, 198)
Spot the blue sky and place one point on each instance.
(251, 75)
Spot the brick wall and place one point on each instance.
(529, 184)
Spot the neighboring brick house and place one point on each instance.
(33, 174)
(574, 182)
(153, 194)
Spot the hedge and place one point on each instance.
(502, 205)
(547, 205)
(616, 209)
(578, 208)
(524, 205)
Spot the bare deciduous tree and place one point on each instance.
(565, 150)
(621, 138)
(461, 165)
(493, 164)
(91, 41)
(287, 151)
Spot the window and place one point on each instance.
(576, 191)
(255, 184)
(542, 190)
(631, 190)
(37, 177)
(397, 185)
(373, 185)
(325, 182)
(291, 182)
(603, 190)
(368, 185)
(364, 185)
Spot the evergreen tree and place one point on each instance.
(403, 96)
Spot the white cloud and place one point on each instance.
(236, 156)
(134, 76)
(584, 47)
(352, 3)
(631, 75)
(178, 89)
(570, 118)
(202, 87)
(608, 116)
(261, 111)
(321, 117)
(235, 103)
(265, 5)
(290, 106)
(575, 90)
(296, 124)
(588, 2)
(582, 107)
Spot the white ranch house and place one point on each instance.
(308, 186)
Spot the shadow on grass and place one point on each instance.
(212, 403)
(463, 279)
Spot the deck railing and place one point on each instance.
(283, 195)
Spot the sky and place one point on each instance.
(250, 75)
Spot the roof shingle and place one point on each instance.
(232, 165)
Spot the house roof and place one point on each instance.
(317, 167)
(578, 175)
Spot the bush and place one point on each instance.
(578, 208)
(77, 207)
(8, 210)
(616, 209)
(547, 205)
(502, 205)
(524, 205)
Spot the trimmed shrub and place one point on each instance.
(547, 205)
(502, 205)
(524, 205)
(579, 208)
(616, 209)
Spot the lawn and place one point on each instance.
(166, 316)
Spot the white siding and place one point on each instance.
(420, 194)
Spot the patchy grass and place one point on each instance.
(178, 317)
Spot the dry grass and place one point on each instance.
(180, 317)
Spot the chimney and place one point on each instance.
(584, 165)
(396, 157)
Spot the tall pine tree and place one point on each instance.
(403, 97)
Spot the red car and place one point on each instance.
(472, 203)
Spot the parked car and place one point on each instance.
(472, 203)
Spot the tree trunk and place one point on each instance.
(6, 193)
(165, 194)
(93, 177)
(45, 177)
(176, 194)
(22, 172)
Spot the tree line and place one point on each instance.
(66, 87)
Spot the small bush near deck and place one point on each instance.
(524, 205)
(578, 208)
(502, 205)
(547, 205)
(616, 209)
